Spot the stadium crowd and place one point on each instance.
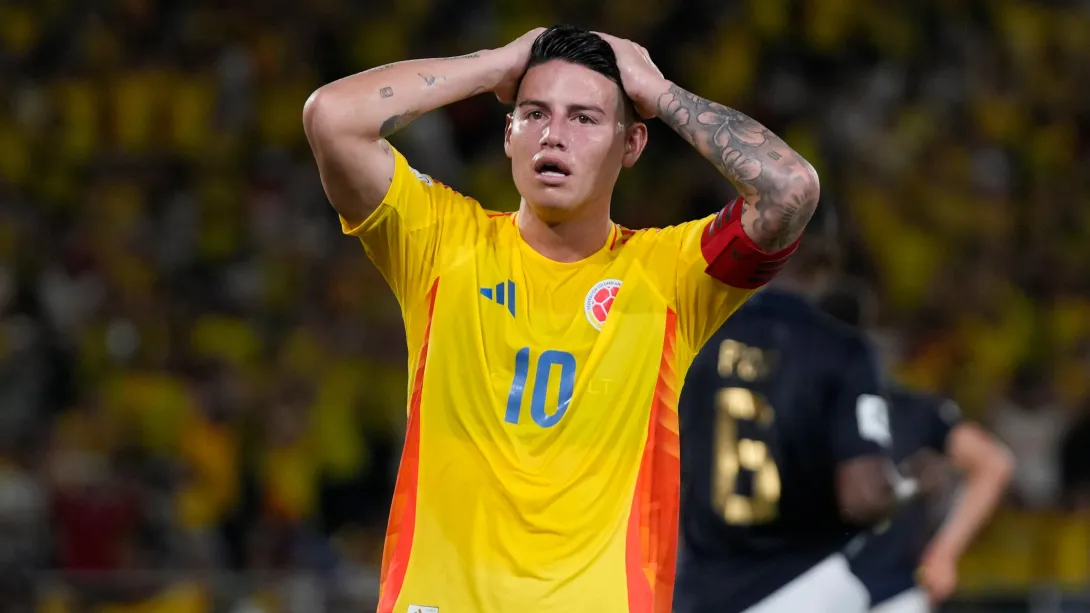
(201, 378)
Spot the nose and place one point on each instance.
(552, 136)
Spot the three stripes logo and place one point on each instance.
(502, 294)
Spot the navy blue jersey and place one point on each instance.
(887, 563)
(778, 398)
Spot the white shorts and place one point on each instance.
(908, 601)
(829, 587)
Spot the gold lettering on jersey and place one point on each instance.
(734, 454)
(747, 363)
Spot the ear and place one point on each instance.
(635, 139)
(507, 135)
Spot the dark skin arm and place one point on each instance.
(863, 490)
(866, 492)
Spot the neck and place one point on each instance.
(570, 240)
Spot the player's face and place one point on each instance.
(568, 139)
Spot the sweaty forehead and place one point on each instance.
(560, 84)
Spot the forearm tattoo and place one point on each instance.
(771, 176)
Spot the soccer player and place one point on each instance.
(892, 561)
(784, 432)
(540, 468)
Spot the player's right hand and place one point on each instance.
(515, 55)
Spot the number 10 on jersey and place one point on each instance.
(544, 413)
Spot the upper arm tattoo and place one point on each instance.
(394, 123)
(771, 176)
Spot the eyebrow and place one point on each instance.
(571, 107)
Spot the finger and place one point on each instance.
(613, 41)
(532, 35)
(646, 56)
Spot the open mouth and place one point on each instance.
(553, 168)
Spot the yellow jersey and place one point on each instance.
(540, 470)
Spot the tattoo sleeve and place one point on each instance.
(779, 185)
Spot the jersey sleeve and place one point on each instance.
(860, 419)
(719, 267)
(419, 223)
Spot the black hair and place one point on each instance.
(578, 46)
(581, 47)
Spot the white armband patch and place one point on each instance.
(426, 179)
(950, 412)
(872, 415)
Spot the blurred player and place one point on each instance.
(889, 561)
(784, 436)
(540, 469)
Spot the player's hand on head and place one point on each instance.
(516, 55)
(642, 80)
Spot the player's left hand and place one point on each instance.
(642, 80)
(939, 576)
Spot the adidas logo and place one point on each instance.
(502, 294)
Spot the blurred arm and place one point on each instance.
(861, 438)
(987, 467)
(780, 188)
(865, 492)
(347, 120)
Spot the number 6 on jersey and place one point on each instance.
(538, 396)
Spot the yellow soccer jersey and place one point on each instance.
(541, 463)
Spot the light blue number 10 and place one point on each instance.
(545, 363)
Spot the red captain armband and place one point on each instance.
(732, 256)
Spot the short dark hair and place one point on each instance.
(580, 47)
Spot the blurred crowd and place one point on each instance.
(199, 374)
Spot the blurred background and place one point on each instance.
(202, 383)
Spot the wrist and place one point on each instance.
(498, 66)
(660, 87)
(654, 91)
(939, 550)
